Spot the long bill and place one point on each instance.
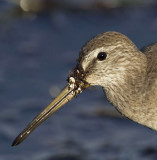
(65, 96)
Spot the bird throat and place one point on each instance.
(129, 98)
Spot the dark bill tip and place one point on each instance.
(15, 142)
(64, 97)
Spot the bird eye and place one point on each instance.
(101, 56)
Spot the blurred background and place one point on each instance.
(39, 43)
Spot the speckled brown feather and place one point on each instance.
(128, 76)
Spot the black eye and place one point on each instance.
(101, 56)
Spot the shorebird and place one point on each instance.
(127, 75)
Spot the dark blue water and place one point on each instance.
(36, 53)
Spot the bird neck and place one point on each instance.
(128, 94)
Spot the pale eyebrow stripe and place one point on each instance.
(90, 57)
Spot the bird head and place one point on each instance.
(104, 60)
(107, 58)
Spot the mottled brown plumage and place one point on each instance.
(128, 76)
